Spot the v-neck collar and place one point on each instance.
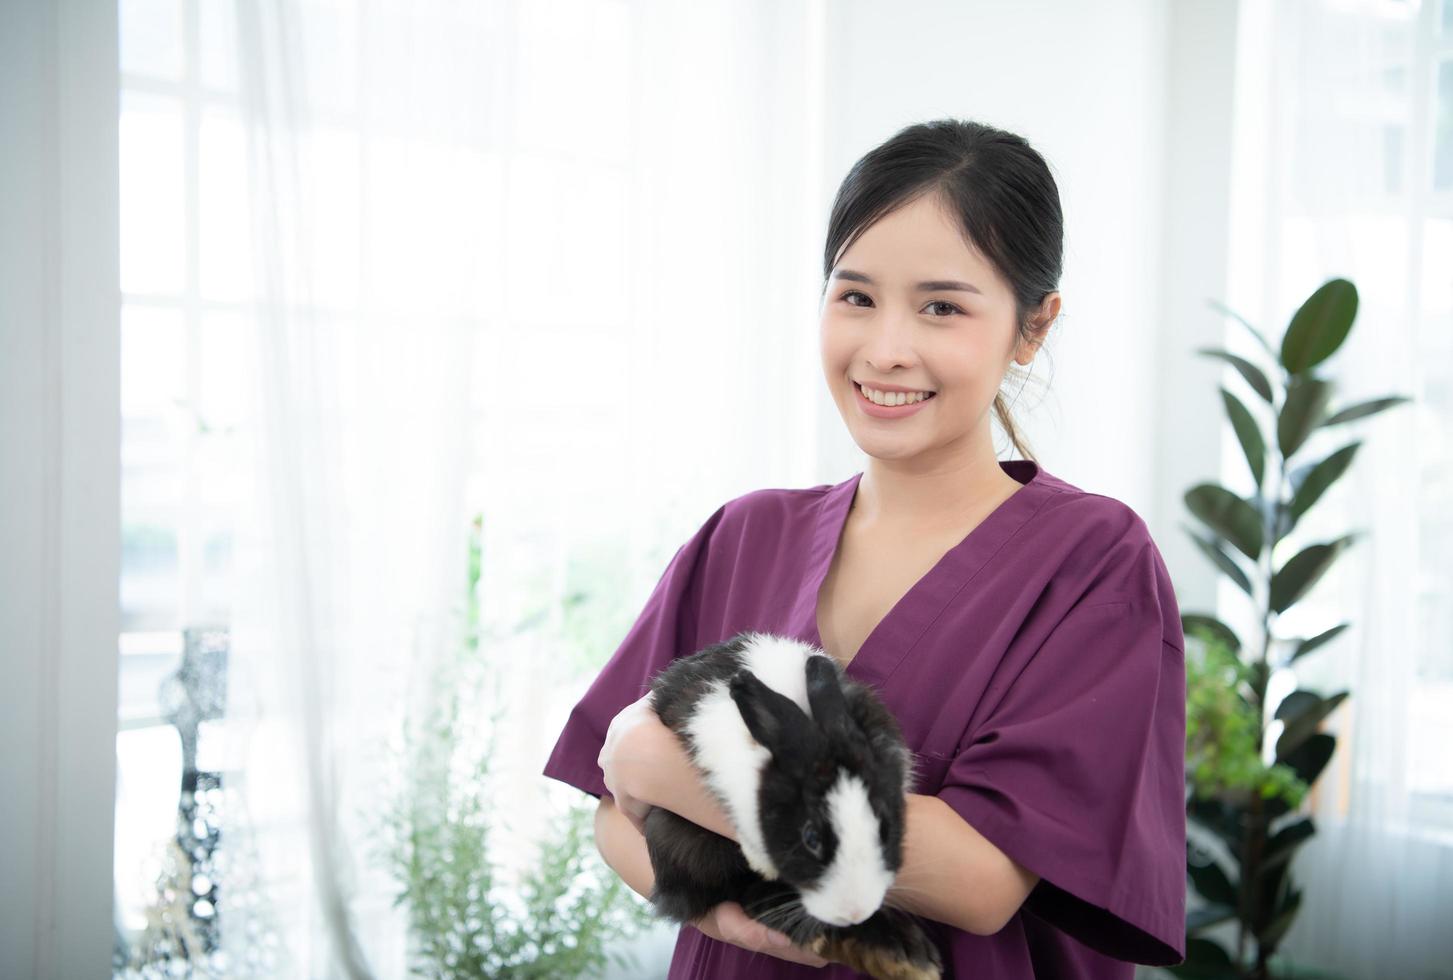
(905, 623)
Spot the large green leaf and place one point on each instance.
(1210, 880)
(1285, 915)
(1248, 433)
(1311, 757)
(1319, 326)
(1257, 334)
(1364, 409)
(1254, 375)
(1191, 622)
(1228, 515)
(1221, 560)
(1294, 579)
(1284, 843)
(1297, 475)
(1220, 818)
(1319, 478)
(1301, 712)
(1207, 916)
(1304, 409)
(1305, 647)
(1296, 703)
(1267, 892)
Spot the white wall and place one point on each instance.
(1129, 102)
(59, 466)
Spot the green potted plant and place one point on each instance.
(1246, 805)
(467, 917)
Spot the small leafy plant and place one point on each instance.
(467, 917)
(1249, 806)
(1223, 752)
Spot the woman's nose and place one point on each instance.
(890, 336)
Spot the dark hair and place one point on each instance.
(1001, 190)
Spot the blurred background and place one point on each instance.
(362, 365)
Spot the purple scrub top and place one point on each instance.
(1038, 673)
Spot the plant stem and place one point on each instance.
(1252, 826)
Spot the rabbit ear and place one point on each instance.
(773, 718)
(825, 696)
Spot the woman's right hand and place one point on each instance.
(729, 923)
(621, 757)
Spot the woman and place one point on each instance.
(1024, 632)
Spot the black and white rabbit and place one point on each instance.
(813, 771)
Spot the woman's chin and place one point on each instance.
(887, 445)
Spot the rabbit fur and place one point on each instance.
(813, 771)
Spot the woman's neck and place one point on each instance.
(903, 499)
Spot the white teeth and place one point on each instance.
(891, 398)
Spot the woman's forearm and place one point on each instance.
(930, 883)
(623, 847)
(952, 873)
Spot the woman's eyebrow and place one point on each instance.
(931, 286)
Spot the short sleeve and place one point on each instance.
(1078, 773)
(665, 630)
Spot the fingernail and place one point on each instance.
(778, 939)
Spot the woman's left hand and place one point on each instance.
(628, 753)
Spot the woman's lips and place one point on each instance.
(874, 410)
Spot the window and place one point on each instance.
(183, 286)
(1383, 217)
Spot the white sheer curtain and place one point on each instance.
(550, 262)
(1344, 167)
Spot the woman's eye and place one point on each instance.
(948, 309)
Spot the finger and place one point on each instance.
(732, 912)
(637, 810)
(740, 929)
(730, 921)
(763, 937)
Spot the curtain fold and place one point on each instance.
(311, 662)
(535, 261)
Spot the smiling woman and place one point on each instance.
(946, 199)
(1023, 633)
(888, 337)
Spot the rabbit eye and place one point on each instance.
(811, 840)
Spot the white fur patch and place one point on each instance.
(725, 748)
(732, 761)
(854, 884)
(780, 663)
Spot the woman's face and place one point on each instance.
(911, 304)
